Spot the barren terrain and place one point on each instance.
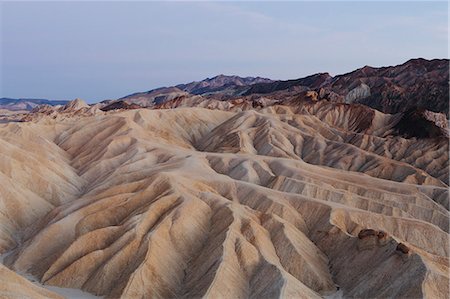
(292, 201)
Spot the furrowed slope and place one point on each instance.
(194, 203)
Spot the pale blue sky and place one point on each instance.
(101, 50)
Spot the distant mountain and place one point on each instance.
(221, 85)
(417, 83)
(154, 96)
(26, 104)
(309, 82)
(120, 105)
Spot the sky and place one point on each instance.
(106, 50)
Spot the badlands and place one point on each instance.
(201, 197)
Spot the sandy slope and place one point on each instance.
(191, 202)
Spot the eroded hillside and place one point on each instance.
(292, 201)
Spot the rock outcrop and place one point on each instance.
(120, 105)
(74, 105)
(357, 93)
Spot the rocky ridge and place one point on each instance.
(415, 84)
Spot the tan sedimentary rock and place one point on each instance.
(13, 286)
(192, 202)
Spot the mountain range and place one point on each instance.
(417, 83)
(26, 104)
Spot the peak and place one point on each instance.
(222, 76)
(417, 60)
(323, 75)
(78, 100)
(425, 62)
(367, 68)
(76, 104)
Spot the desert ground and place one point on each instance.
(290, 201)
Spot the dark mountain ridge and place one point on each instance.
(416, 84)
(220, 83)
